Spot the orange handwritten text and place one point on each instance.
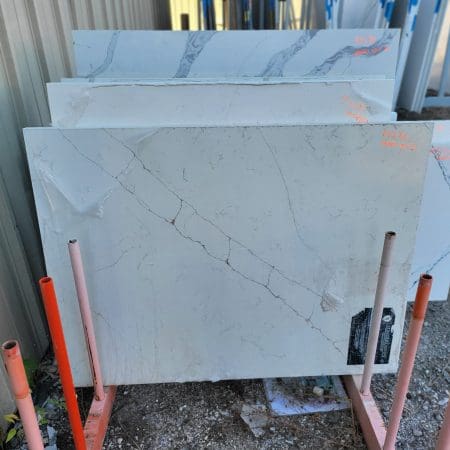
(358, 117)
(397, 139)
(394, 134)
(441, 153)
(365, 40)
(370, 51)
(356, 110)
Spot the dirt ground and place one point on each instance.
(207, 415)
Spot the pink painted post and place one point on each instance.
(409, 354)
(86, 317)
(444, 435)
(22, 394)
(377, 312)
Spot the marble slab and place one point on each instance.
(175, 103)
(432, 254)
(323, 54)
(225, 253)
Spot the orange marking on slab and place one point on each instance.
(358, 117)
(370, 51)
(361, 51)
(411, 146)
(440, 153)
(408, 146)
(397, 135)
(365, 40)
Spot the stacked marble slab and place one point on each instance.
(230, 192)
(227, 78)
(297, 82)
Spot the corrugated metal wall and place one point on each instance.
(35, 47)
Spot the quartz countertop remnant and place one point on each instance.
(228, 252)
(316, 54)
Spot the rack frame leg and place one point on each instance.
(367, 412)
(98, 419)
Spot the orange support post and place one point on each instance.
(444, 435)
(19, 386)
(408, 357)
(62, 358)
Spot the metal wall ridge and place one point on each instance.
(35, 48)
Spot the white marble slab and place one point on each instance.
(222, 253)
(324, 54)
(174, 103)
(432, 254)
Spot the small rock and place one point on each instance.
(318, 391)
(443, 402)
(255, 416)
(417, 433)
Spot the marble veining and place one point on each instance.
(212, 253)
(368, 51)
(108, 58)
(195, 44)
(275, 67)
(331, 54)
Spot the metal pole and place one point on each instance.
(405, 44)
(261, 14)
(445, 70)
(86, 317)
(379, 14)
(199, 14)
(22, 394)
(377, 312)
(409, 354)
(444, 435)
(62, 358)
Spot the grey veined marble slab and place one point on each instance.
(247, 102)
(432, 254)
(221, 253)
(324, 54)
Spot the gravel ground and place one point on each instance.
(207, 415)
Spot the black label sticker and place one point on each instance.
(359, 333)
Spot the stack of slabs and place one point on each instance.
(230, 191)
